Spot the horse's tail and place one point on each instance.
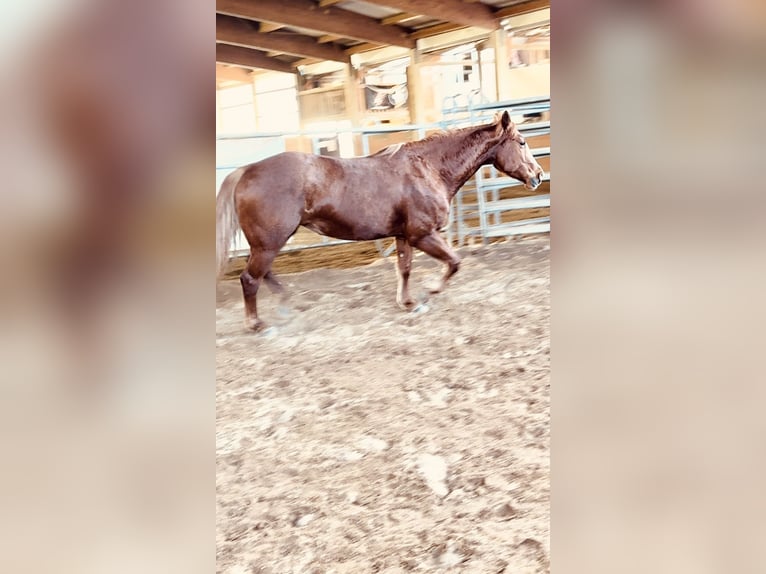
(227, 221)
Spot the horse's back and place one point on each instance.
(272, 178)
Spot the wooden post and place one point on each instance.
(353, 109)
(414, 98)
(414, 93)
(502, 58)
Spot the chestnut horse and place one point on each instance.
(403, 191)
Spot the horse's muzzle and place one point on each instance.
(534, 182)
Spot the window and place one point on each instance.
(267, 105)
(276, 104)
(277, 110)
(235, 109)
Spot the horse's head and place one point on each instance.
(513, 156)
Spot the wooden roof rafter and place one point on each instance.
(286, 34)
(236, 31)
(453, 11)
(330, 19)
(245, 58)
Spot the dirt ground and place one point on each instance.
(353, 437)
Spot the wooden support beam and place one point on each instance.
(266, 27)
(522, 8)
(366, 47)
(308, 14)
(305, 62)
(238, 56)
(327, 38)
(397, 18)
(240, 32)
(434, 30)
(477, 14)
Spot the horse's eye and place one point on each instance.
(522, 143)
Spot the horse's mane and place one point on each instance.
(388, 150)
(440, 135)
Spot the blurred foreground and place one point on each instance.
(658, 274)
(106, 244)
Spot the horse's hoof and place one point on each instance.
(268, 332)
(421, 308)
(435, 288)
(255, 326)
(406, 305)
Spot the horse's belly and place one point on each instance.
(350, 217)
(340, 229)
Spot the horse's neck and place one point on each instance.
(461, 156)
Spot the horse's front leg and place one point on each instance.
(434, 245)
(403, 266)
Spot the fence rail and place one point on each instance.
(477, 209)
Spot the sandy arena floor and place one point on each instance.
(353, 437)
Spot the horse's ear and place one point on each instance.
(505, 121)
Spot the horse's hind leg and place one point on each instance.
(258, 267)
(276, 287)
(434, 245)
(403, 267)
(274, 284)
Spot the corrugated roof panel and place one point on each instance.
(366, 9)
(502, 3)
(304, 31)
(426, 23)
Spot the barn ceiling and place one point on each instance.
(282, 35)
